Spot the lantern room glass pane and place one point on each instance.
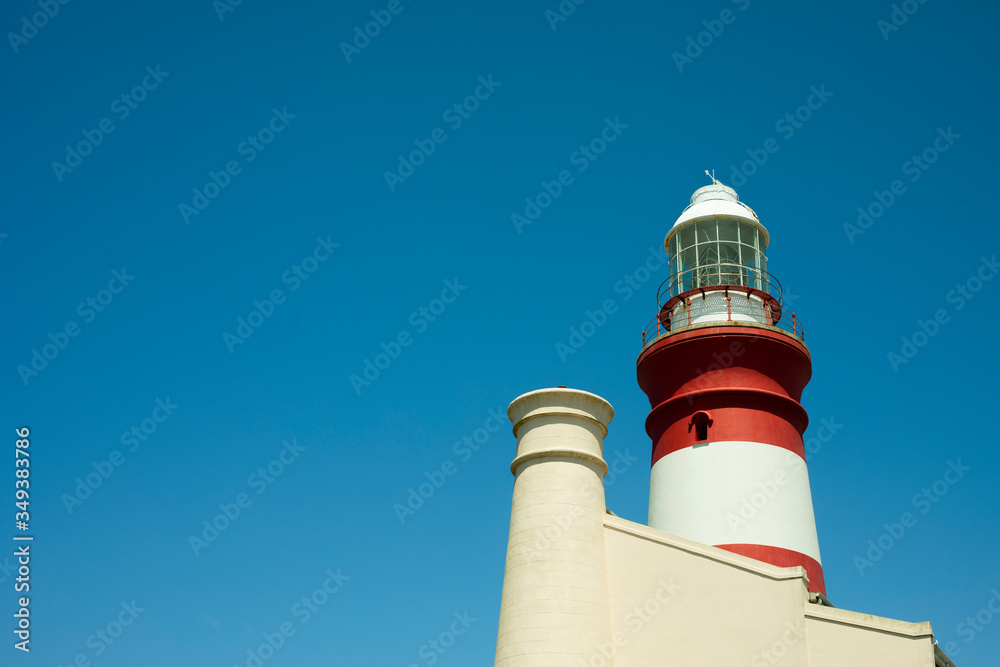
(687, 237)
(729, 260)
(761, 252)
(707, 274)
(728, 230)
(729, 253)
(752, 259)
(672, 254)
(706, 231)
(708, 253)
(748, 234)
(688, 261)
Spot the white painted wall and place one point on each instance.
(735, 492)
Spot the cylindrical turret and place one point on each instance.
(724, 366)
(554, 607)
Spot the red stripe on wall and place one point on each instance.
(782, 558)
(745, 416)
(748, 379)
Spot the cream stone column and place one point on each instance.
(554, 610)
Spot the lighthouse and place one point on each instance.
(727, 571)
(724, 362)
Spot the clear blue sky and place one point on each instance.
(301, 139)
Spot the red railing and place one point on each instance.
(774, 315)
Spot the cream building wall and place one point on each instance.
(585, 588)
(726, 609)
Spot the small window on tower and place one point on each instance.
(700, 422)
(701, 431)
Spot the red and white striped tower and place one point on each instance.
(724, 365)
